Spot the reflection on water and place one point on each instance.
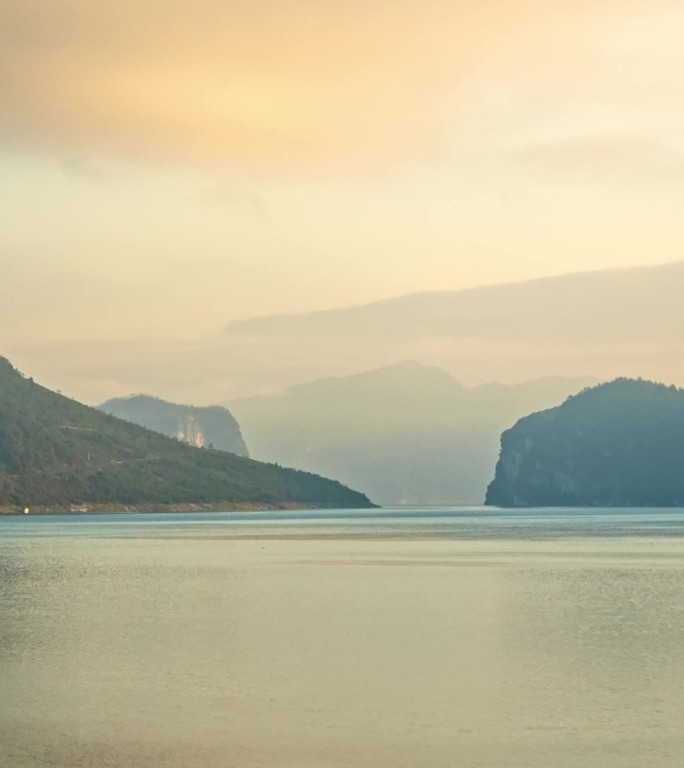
(324, 640)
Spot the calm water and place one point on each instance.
(436, 638)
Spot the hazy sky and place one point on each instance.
(169, 166)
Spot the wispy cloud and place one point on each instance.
(612, 156)
(280, 84)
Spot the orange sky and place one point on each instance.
(282, 85)
(243, 158)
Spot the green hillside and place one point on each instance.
(620, 444)
(55, 452)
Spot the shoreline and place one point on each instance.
(186, 507)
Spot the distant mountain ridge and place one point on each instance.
(405, 433)
(627, 322)
(617, 444)
(539, 309)
(210, 426)
(56, 453)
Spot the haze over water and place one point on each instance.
(391, 638)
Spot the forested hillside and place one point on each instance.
(618, 444)
(55, 452)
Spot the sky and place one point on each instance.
(169, 167)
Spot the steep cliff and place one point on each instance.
(212, 426)
(617, 444)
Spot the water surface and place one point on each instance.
(437, 638)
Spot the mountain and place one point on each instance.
(211, 426)
(405, 434)
(612, 323)
(618, 444)
(55, 452)
(593, 307)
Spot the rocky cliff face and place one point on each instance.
(212, 426)
(618, 444)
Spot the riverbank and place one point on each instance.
(113, 509)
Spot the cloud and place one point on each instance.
(611, 156)
(267, 85)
